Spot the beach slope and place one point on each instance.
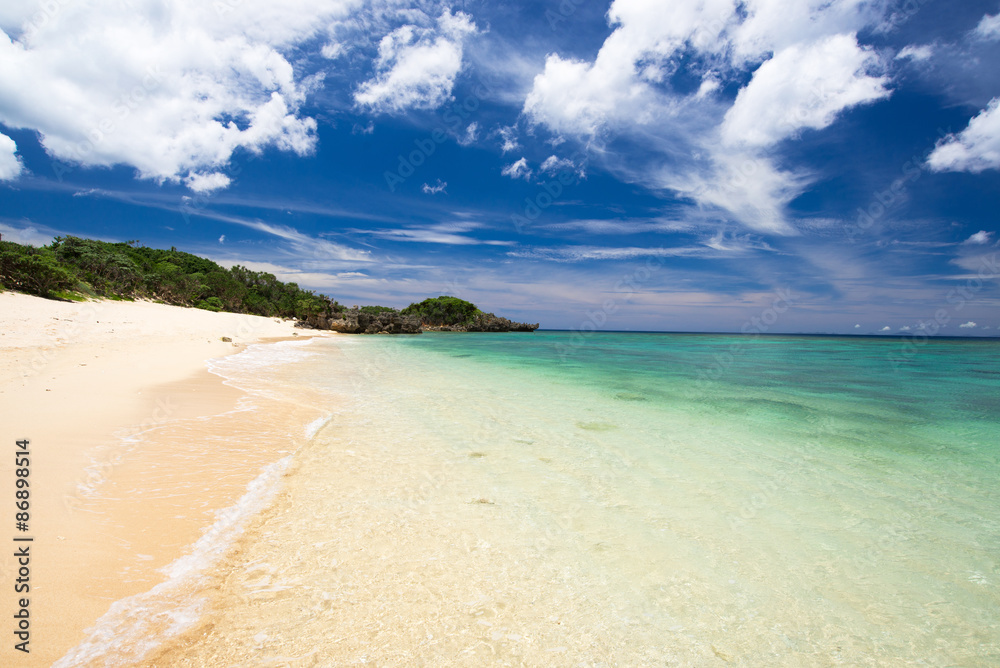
(77, 380)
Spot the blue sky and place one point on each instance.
(683, 165)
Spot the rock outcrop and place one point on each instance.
(486, 322)
(355, 321)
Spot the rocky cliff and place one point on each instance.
(355, 321)
(486, 322)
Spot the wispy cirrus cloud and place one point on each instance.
(455, 233)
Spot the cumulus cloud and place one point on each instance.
(517, 170)
(968, 325)
(805, 68)
(416, 67)
(886, 329)
(171, 88)
(975, 149)
(10, 164)
(803, 87)
(205, 183)
(980, 238)
(916, 53)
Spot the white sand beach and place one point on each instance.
(75, 378)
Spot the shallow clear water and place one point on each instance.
(624, 499)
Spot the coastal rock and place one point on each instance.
(355, 321)
(485, 322)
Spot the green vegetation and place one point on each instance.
(72, 268)
(441, 311)
(375, 310)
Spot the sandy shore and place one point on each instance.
(75, 378)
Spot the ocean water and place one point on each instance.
(556, 499)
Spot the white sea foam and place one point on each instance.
(260, 356)
(313, 427)
(136, 625)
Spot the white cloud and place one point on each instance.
(746, 185)
(708, 86)
(332, 50)
(980, 238)
(305, 246)
(968, 325)
(470, 136)
(440, 187)
(171, 88)
(975, 149)
(28, 234)
(578, 98)
(205, 183)
(416, 67)
(916, 53)
(584, 253)
(806, 65)
(450, 233)
(988, 28)
(803, 87)
(10, 164)
(222, 239)
(509, 136)
(886, 329)
(517, 170)
(904, 328)
(857, 327)
(552, 165)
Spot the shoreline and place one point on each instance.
(80, 381)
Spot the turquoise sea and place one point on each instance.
(613, 499)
